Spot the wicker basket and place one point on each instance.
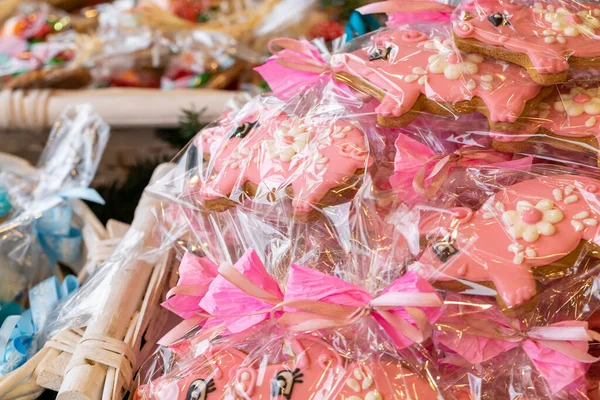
(99, 361)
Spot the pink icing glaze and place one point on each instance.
(546, 32)
(435, 69)
(316, 371)
(501, 242)
(570, 112)
(312, 155)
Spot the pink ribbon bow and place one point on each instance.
(559, 351)
(294, 65)
(407, 11)
(419, 172)
(244, 295)
(404, 310)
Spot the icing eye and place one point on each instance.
(380, 54)
(444, 249)
(243, 130)
(199, 389)
(498, 19)
(283, 383)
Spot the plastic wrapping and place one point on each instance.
(313, 154)
(39, 48)
(546, 38)
(413, 69)
(41, 229)
(255, 353)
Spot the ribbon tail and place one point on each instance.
(402, 326)
(567, 349)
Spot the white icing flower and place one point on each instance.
(579, 101)
(287, 142)
(571, 24)
(450, 64)
(529, 222)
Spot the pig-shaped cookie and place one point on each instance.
(315, 370)
(531, 225)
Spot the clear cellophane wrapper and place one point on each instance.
(244, 351)
(308, 155)
(36, 37)
(553, 40)
(41, 227)
(510, 281)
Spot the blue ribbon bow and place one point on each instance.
(5, 205)
(17, 331)
(59, 239)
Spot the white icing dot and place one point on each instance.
(571, 31)
(234, 165)
(544, 106)
(476, 58)
(530, 252)
(590, 122)
(422, 80)
(374, 395)
(339, 135)
(546, 228)
(418, 71)
(544, 113)
(531, 235)
(549, 39)
(558, 195)
(322, 160)
(519, 258)
(561, 39)
(353, 384)
(245, 151)
(347, 129)
(523, 205)
(411, 78)
(500, 206)
(548, 32)
(245, 376)
(471, 84)
(354, 398)
(581, 215)
(577, 225)
(571, 199)
(486, 86)
(487, 78)
(358, 373)
(367, 382)
(488, 215)
(569, 189)
(590, 221)
(515, 247)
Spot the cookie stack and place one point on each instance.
(521, 65)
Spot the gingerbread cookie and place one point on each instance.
(317, 162)
(410, 73)
(538, 227)
(568, 119)
(544, 38)
(314, 370)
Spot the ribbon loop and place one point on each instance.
(431, 176)
(298, 55)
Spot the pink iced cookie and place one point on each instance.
(545, 38)
(306, 157)
(571, 113)
(409, 72)
(313, 370)
(532, 224)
